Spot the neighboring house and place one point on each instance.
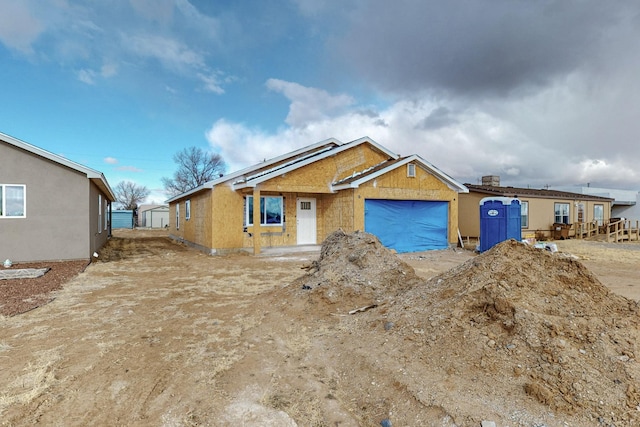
(626, 203)
(307, 194)
(540, 208)
(122, 218)
(50, 207)
(153, 216)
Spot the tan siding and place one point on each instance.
(469, 214)
(541, 213)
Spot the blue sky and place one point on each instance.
(540, 93)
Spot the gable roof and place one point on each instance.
(254, 175)
(251, 180)
(361, 177)
(531, 192)
(96, 177)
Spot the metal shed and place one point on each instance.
(156, 217)
(122, 219)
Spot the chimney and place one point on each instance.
(491, 180)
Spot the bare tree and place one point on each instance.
(129, 194)
(195, 167)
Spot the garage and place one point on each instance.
(408, 225)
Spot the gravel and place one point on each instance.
(21, 295)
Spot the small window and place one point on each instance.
(106, 216)
(99, 213)
(598, 214)
(561, 213)
(13, 202)
(187, 210)
(411, 170)
(305, 206)
(524, 214)
(271, 210)
(178, 216)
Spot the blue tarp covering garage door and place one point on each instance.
(408, 225)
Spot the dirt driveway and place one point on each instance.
(157, 334)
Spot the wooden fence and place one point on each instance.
(615, 231)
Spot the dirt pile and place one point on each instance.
(521, 335)
(355, 270)
(517, 323)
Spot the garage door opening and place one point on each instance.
(408, 225)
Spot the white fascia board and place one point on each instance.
(311, 159)
(450, 182)
(90, 173)
(375, 144)
(249, 169)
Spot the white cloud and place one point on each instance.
(129, 169)
(309, 104)
(211, 83)
(110, 160)
(160, 11)
(480, 141)
(19, 28)
(172, 53)
(87, 76)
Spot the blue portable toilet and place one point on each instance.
(500, 220)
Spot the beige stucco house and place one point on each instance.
(308, 193)
(540, 208)
(51, 208)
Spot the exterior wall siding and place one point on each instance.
(221, 224)
(541, 213)
(58, 210)
(395, 185)
(98, 235)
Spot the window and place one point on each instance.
(178, 216)
(524, 214)
(99, 213)
(411, 170)
(13, 201)
(106, 216)
(271, 210)
(305, 206)
(598, 214)
(187, 210)
(580, 212)
(561, 213)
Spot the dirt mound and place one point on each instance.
(520, 335)
(528, 324)
(355, 270)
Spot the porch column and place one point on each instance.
(256, 221)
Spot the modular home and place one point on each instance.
(51, 208)
(299, 198)
(540, 208)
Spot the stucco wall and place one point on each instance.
(57, 220)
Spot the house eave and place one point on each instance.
(93, 175)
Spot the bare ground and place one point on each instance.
(158, 334)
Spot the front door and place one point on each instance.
(306, 222)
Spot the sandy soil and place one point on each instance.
(159, 334)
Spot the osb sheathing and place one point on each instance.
(396, 185)
(217, 221)
(317, 177)
(196, 229)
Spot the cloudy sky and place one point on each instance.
(539, 92)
